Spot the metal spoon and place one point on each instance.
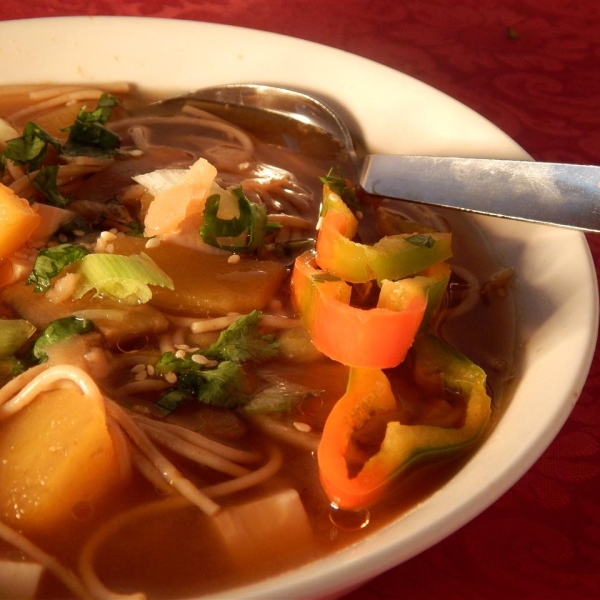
(548, 193)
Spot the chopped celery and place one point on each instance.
(124, 278)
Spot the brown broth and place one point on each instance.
(178, 554)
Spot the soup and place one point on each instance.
(220, 360)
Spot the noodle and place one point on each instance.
(194, 453)
(86, 559)
(163, 466)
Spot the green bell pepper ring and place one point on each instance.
(393, 257)
(435, 366)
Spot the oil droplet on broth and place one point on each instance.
(349, 520)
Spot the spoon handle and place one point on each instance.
(548, 193)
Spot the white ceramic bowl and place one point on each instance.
(557, 294)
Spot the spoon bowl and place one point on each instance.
(547, 193)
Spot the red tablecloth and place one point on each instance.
(532, 68)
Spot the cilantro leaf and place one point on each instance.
(51, 261)
(225, 385)
(338, 184)
(170, 401)
(88, 135)
(225, 382)
(30, 149)
(241, 342)
(57, 331)
(278, 395)
(45, 183)
(251, 226)
(421, 239)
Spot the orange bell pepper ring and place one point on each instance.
(376, 338)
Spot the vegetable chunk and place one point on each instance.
(272, 529)
(58, 456)
(206, 283)
(17, 221)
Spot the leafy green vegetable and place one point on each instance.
(30, 149)
(279, 395)
(225, 385)
(338, 184)
(420, 239)
(241, 342)
(172, 400)
(88, 134)
(125, 278)
(51, 261)
(57, 331)
(223, 381)
(45, 183)
(244, 233)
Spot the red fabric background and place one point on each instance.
(532, 68)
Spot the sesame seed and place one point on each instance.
(139, 367)
(108, 236)
(171, 377)
(153, 242)
(141, 375)
(180, 354)
(150, 370)
(199, 359)
(234, 259)
(304, 427)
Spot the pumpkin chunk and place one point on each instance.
(58, 458)
(206, 284)
(17, 221)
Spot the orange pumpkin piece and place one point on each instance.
(58, 457)
(17, 221)
(206, 284)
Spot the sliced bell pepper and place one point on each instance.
(393, 257)
(376, 338)
(436, 367)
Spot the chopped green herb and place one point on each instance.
(136, 229)
(324, 276)
(225, 382)
(57, 331)
(88, 135)
(11, 367)
(51, 261)
(292, 248)
(279, 395)
(421, 239)
(225, 385)
(338, 184)
(244, 233)
(241, 342)
(30, 149)
(171, 401)
(45, 183)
